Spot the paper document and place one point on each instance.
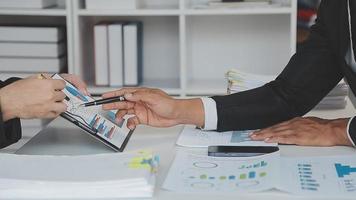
(192, 137)
(332, 176)
(328, 176)
(196, 173)
(93, 176)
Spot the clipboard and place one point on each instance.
(93, 120)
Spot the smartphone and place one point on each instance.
(240, 151)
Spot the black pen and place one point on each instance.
(104, 101)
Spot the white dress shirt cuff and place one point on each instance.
(211, 114)
(348, 132)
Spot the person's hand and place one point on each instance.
(32, 98)
(155, 108)
(77, 82)
(73, 79)
(307, 131)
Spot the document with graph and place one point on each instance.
(193, 171)
(193, 137)
(98, 123)
(196, 173)
(329, 176)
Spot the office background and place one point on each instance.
(186, 51)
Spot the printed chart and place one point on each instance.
(192, 137)
(94, 117)
(191, 173)
(320, 176)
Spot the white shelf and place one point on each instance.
(170, 86)
(137, 12)
(242, 11)
(35, 12)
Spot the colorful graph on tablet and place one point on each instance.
(103, 122)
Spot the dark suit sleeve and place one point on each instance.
(310, 74)
(10, 131)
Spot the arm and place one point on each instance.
(10, 131)
(311, 73)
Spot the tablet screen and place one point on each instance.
(101, 122)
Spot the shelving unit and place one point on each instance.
(186, 51)
(60, 15)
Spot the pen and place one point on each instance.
(104, 101)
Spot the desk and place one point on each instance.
(162, 142)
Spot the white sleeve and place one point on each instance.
(210, 112)
(348, 132)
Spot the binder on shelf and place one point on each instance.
(133, 53)
(51, 65)
(112, 4)
(31, 34)
(116, 57)
(27, 3)
(28, 49)
(101, 54)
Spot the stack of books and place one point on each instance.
(28, 4)
(239, 81)
(118, 54)
(26, 49)
(101, 176)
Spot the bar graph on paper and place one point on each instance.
(206, 174)
(192, 137)
(320, 176)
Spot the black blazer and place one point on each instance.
(10, 131)
(318, 65)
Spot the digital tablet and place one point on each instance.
(93, 120)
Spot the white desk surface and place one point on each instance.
(162, 141)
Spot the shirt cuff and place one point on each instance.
(210, 112)
(351, 130)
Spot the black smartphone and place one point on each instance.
(240, 151)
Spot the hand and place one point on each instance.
(308, 131)
(155, 108)
(32, 98)
(77, 82)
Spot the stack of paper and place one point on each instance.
(27, 49)
(115, 175)
(239, 81)
(193, 137)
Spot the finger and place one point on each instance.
(59, 96)
(120, 92)
(77, 82)
(57, 84)
(132, 123)
(277, 131)
(120, 114)
(287, 139)
(59, 107)
(118, 105)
